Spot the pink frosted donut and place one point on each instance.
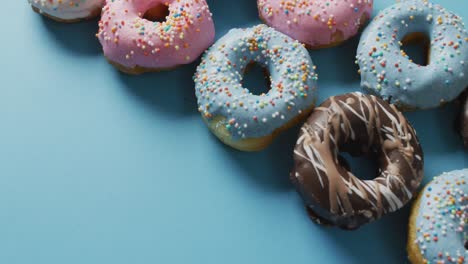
(135, 44)
(316, 23)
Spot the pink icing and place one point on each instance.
(130, 40)
(314, 22)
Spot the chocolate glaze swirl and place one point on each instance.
(358, 124)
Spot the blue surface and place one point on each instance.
(101, 167)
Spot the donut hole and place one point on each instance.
(416, 46)
(365, 167)
(252, 82)
(157, 13)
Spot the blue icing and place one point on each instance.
(218, 81)
(442, 219)
(388, 73)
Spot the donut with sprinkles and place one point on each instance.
(387, 71)
(316, 23)
(438, 228)
(135, 44)
(68, 11)
(239, 118)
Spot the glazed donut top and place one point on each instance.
(68, 9)
(388, 72)
(130, 40)
(218, 81)
(442, 221)
(357, 124)
(315, 22)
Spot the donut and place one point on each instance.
(135, 44)
(463, 118)
(388, 72)
(67, 11)
(438, 226)
(316, 23)
(357, 124)
(239, 118)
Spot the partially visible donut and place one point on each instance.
(358, 124)
(438, 226)
(316, 23)
(136, 45)
(239, 118)
(388, 72)
(68, 10)
(463, 118)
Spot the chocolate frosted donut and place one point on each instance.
(463, 118)
(358, 124)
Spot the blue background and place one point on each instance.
(100, 167)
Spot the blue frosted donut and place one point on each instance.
(438, 229)
(388, 72)
(239, 118)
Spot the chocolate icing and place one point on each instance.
(358, 124)
(463, 118)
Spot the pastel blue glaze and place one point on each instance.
(389, 74)
(437, 213)
(218, 81)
